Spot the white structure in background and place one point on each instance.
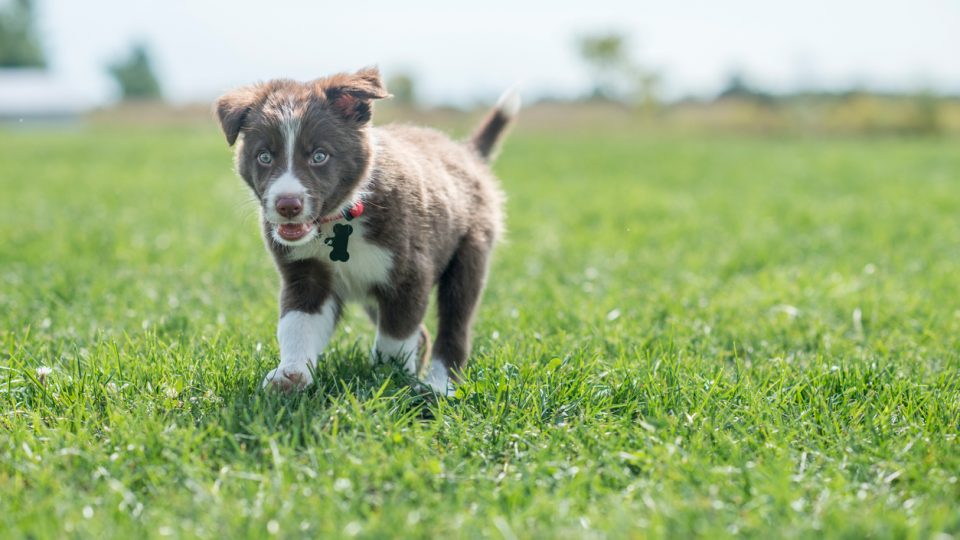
(35, 95)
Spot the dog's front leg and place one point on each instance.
(399, 334)
(308, 315)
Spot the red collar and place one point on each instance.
(350, 213)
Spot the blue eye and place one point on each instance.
(265, 158)
(319, 157)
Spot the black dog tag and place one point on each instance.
(341, 236)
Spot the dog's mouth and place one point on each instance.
(291, 232)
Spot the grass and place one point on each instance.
(683, 336)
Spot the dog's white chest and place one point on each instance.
(367, 265)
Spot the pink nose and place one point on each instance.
(289, 207)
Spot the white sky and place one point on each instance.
(461, 52)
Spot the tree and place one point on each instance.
(19, 43)
(926, 117)
(607, 57)
(616, 75)
(135, 75)
(738, 88)
(404, 89)
(647, 93)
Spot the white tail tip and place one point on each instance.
(509, 103)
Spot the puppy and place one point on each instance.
(375, 215)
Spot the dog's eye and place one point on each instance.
(319, 158)
(265, 158)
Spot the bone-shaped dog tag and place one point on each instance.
(341, 237)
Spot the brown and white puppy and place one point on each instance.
(376, 215)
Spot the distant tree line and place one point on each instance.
(135, 75)
(21, 47)
(19, 43)
(616, 76)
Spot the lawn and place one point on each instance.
(682, 336)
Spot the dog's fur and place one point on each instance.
(432, 212)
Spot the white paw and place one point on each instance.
(438, 379)
(288, 378)
(407, 351)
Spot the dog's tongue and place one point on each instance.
(293, 231)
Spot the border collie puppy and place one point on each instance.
(375, 215)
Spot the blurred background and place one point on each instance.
(819, 66)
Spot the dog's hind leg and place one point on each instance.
(458, 294)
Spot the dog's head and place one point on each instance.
(305, 148)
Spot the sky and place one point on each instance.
(463, 52)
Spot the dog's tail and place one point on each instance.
(491, 130)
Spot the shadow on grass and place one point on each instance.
(348, 395)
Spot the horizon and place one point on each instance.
(201, 50)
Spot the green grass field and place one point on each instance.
(683, 336)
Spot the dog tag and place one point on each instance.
(341, 237)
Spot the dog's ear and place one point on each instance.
(232, 109)
(351, 95)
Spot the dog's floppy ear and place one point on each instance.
(352, 94)
(232, 109)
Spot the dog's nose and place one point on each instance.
(289, 207)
